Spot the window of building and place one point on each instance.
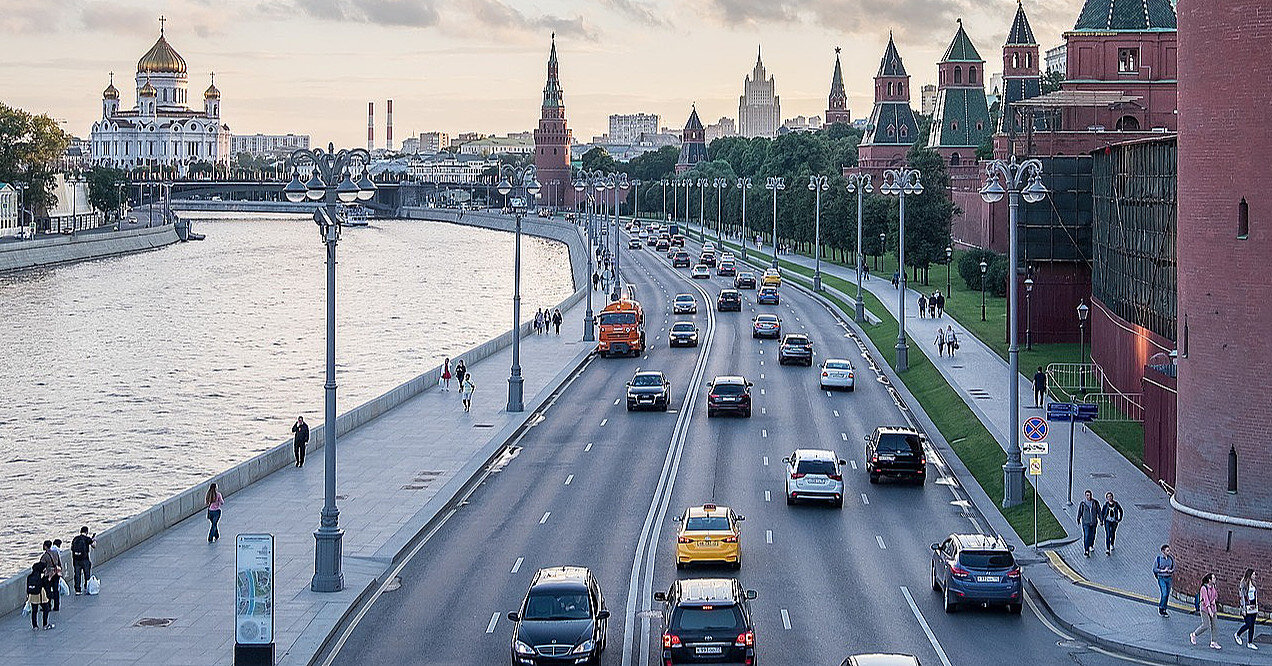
(905, 131)
(1028, 61)
(953, 125)
(1243, 219)
(890, 85)
(980, 125)
(1128, 61)
(958, 75)
(954, 159)
(892, 130)
(971, 74)
(1015, 60)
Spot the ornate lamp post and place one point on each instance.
(774, 184)
(521, 184)
(817, 184)
(1029, 283)
(984, 267)
(703, 184)
(859, 183)
(949, 260)
(663, 182)
(1084, 311)
(744, 184)
(333, 184)
(720, 185)
(900, 183)
(581, 186)
(1023, 180)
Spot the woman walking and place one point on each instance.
(1208, 600)
(951, 340)
(1110, 514)
(940, 342)
(1249, 608)
(214, 502)
(446, 374)
(461, 373)
(37, 586)
(467, 390)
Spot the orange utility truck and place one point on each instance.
(622, 329)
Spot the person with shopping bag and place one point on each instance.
(37, 594)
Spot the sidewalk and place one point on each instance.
(1104, 598)
(170, 600)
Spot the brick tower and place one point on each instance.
(892, 129)
(1224, 249)
(960, 122)
(837, 104)
(552, 142)
(1021, 70)
(693, 143)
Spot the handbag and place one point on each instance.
(63, 588)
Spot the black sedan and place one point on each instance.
(744, 280)
(648, 390)
(729, 299)
(683, 334)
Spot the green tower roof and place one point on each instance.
(1126, 15)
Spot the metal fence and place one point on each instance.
(1084, 383)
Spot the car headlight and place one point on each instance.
(584, 647)
(522, 648)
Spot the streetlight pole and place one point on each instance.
(579, 187)
(621, 185)
(744, 184)
(860, 184)
(817, 184)
(522, 184)
(720, 184)
(331, 182)
(1029, 283)
(703, 183)
(902, 182)
(663, 182)
(774, 184)
(1084, 311)
(949, 260)
(879, 257)
(984, 267)
(1023, 180)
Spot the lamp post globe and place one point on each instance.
(949, 261)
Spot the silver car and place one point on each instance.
(684, 304)
(814, 474)
(837, 373)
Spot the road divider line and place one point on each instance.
(764, 410)
(767, 496)
(587, 448)
(836, 411)
(844, 435)
(881, 544)
(763, 433)
(864, 499)
(544, 519)
(936, 645)
(516, 566)
(568, 479)
(768, 536)
(786, 619)
(494, 619)
(854, 463)
(766, 461)
(604, 421)
(617, 399)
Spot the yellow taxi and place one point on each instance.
(708, 533)
(771, 278)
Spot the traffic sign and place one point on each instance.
(1033, 448)
(1060, 411)
(1086, 412)
(1035, 429)
(1035, 467)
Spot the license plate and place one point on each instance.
(888, 457)
(706, 543)
(816, 481)
(708, 650)
(987, 579)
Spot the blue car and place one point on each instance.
(976, 569)
(768, 296)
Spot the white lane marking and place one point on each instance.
(568, 479)
(587, 448)
(544, 519)
(761, 362)
(761, 391)
(761, 352)
(936, 645)
(880, 540)
(604, 421)
(766, 461)
(786, 619)
(764, 410)
(761, 375)
(767, 496)
(836, 411)
(615, 402)
(844, 435)
(516, 566)
(864, 499)
(763, 433)
(854, 463)
(827, 394)
(768, 536)
(494, 619)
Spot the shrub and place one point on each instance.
(969, 267)
(996, 276)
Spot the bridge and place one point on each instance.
(390, 196)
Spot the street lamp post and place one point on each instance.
(949, 260)
(901, 182)
(1029, 283)
(581, 186)
(984, 267)
(703, 184)
(744, 184)
(1084, 311)
(1024, 180)
(774, 184)
(520, 182)
(663, 182)
(720, 185)
(333, 184)
(859, 183)
(817, 184)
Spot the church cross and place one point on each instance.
(162, 20)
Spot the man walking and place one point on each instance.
(53, 573)
(556, 320)
(940, 304)
(1040, 387)
(467, 392)
(1088, 518)
(80, 547)
(1164, 569)
(1111, 512)
(299, 442)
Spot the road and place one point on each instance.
(594, 485)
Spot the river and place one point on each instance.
(129, 379)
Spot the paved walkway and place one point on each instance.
(388, 470)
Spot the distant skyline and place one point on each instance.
(310, 66)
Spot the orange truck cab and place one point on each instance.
(622, 325)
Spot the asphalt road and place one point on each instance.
(592, 484)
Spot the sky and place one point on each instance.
(311, 66)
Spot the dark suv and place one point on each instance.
(976, 568)
(729, 299)
(796, 348)
(896, 451)
(729, 394)
(648, 390)
(681, 258)
(562, 620)
(707, 620)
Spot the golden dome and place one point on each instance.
(212, 92)
(161, 59)
(111, 92)
(147, 90)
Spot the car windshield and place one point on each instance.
(900, 443)
(838, 365)
(707, 523)
(798, 342)
(647, 380)
(767, 319)
(986, 559)
(609, 318)
(684, 298)
(557, 605)
(717, 618)
(728, 389)
(825, 467)
(682, 328)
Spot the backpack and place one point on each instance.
(79, 546)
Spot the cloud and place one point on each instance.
(500, 16)
(118, 20)
(638, 11)
(392, 13)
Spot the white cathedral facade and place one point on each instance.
(162, 129)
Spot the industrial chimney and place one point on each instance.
(388, 137)
(370, 125)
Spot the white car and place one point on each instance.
(708, 246)
(700, 272)
(814, 474)
(726, 256)
(684, 304)
(837, 373)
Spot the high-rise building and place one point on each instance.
(693, 143)
(837, 103)
(892, 128)
(433, 142)
(759, 107)
(960, 123)
(265, 145)
(1020, 71)
(628, 128)
(552, 142)
(927, 99)
(721, 128)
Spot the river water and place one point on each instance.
(126, 380)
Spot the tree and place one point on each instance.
(654, 165)
(1051, 81)
(928, 215)
(30, 147)
(598, 158)
(969, 266)
(107, 188)
(985, 151)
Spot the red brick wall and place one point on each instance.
(1225, 56)
(1051, 314)
(1121, 348)
(1160, 423)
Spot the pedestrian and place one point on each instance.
(951, 340)
(556, 320)
(940, 304)
(1111, 514)
(538, 321)
(1040, 387)
(1164, 569)
(896, 279)
(80, 557)
(1208, 603)
(214, 502)
(1249, 608)
(923, 303)
(300, 441)
(468, 389)
(940, 342)
(461, 373)
(932, 306)
(38, 594)
(446, 374)
(1088, 519)
(52, 560)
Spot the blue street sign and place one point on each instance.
(1086, 413)
(1061, 411)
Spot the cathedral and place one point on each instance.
(161, 129)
